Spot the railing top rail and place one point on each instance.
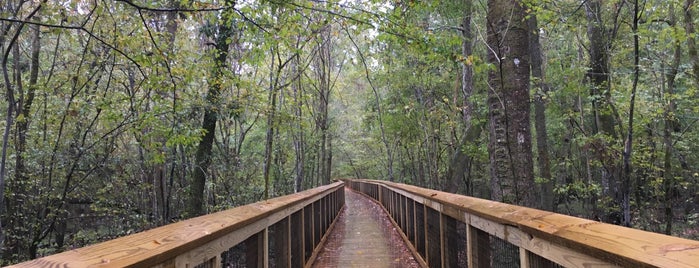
(617, 244)
(155, 246)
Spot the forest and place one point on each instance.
(120, 116)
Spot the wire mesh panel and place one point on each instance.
(308, 231)
(434, 247)
(460, 236)
(396, 207)
(536, 261)
(246, 254)
(420, 228)
(479, 247)
(322, 213)
(504, 254)
(385, 197)
(278, 235)
(341, 198)
(207, 264)
(403, 212)
(234, 257)
(317, 225)
(297, 239)
(410, 230)
(394, 197)
(454, 250)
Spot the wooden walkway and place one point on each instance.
(364, 236)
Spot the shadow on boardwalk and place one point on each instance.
(364, 237)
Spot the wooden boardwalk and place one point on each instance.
(363, 236)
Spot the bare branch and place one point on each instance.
(169, 9)
(79, 28)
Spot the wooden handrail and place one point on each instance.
(543, 239)
(302, 218)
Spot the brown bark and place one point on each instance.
(195, 204)
(604, 122)
(324, 64)
(670, 125)
(299, 136)
(625, 196)
(16, 240)
(271, 113)
(508, 102)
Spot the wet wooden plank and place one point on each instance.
(363, 236)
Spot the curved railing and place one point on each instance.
(449, 230)
(281, 232)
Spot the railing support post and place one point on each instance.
(523, 258)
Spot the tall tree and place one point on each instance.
(510, 150)
(625, 191)
(224, 33)
(457, 172)
(542, 147)
(670, 122)
(604, 114)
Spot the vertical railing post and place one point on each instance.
(523, 258)
(442, 238)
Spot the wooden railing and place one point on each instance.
(449, 230)
(280, 232)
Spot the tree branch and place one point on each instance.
(79, 28)
(160, 9)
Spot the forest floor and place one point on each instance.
(364, 236)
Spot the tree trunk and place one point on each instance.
(324, 64)
(379, 112)
(271, 112)
(299, 145)
(671, 124)
(508, 102)
(542, 147)
(203, 155)
(20, 206)
(460, 160)
(691, 39)
(602, 109)
(625, 190)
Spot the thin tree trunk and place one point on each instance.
(542, 147)
(626, 178)
(670, 125)
(299, 146)
(203, 155)
(691, 39)
(271, 111)
(460, 160)
(384, 139)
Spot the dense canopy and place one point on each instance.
(124, 115)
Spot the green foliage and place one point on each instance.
(112, 133)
